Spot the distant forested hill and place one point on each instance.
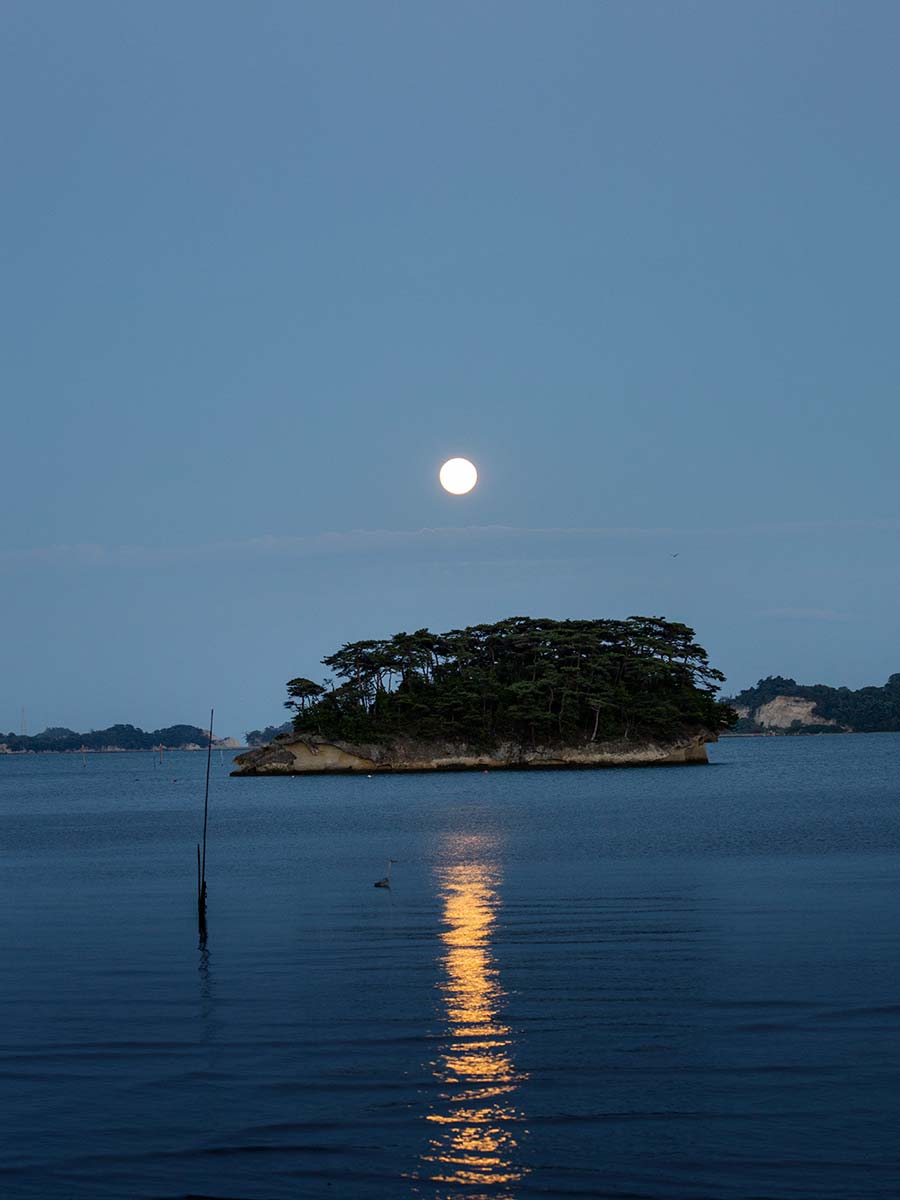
(120, 737)
(259, 737)
(867, 710)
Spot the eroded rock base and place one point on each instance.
(319, 756)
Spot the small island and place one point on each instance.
(522, 693)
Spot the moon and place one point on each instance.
(458, 476)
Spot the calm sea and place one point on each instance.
(637, 983)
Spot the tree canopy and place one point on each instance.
(526, 679)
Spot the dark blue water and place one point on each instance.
(644, 983)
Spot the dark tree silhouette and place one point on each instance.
(525, 679)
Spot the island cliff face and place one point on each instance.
(313, 755)
(780, 705)
(784, 712)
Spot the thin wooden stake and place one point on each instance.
(201, 858)
(206, 798)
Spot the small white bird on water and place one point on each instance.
(386, 882)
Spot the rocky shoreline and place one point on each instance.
(293, 755)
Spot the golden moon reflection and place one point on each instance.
(477, 1123)
(458, 476)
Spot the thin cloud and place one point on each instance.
(803, 614)
(393, 541)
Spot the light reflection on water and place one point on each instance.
(476, 1126)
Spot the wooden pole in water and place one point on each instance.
(201, 895)
(206, 797)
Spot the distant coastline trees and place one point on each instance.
(259, 737)
(866, 710)
(530, 680)
(121, 737)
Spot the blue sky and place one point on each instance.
(266, 266)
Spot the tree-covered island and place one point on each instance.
(524, 691)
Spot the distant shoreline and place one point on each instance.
(123, 750)
(119, 738)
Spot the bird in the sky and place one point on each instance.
(674, 556)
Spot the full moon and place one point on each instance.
(458, 476)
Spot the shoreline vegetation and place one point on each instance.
(116, 739)
(777, 706)
(521, 693)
